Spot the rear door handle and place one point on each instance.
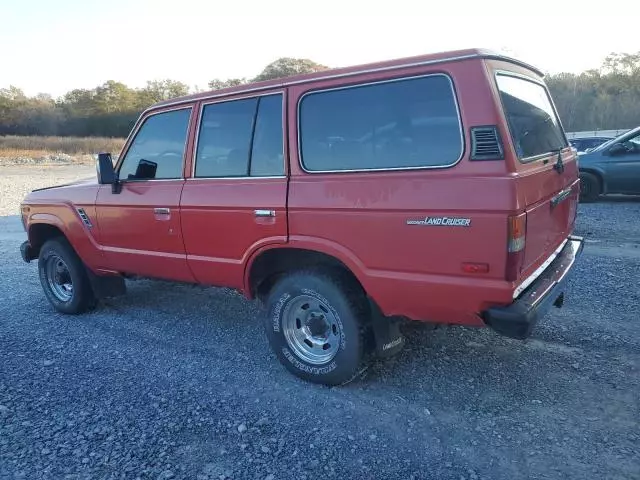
(162, 211)
(264, 213)
(560, 197)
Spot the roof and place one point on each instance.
(453, 55)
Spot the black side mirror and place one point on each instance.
(106, 173)
(618, 149)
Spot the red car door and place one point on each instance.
(235, 201)
(140, 226)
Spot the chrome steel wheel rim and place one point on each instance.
(59, 278)
(311, 329)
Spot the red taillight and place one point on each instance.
(516, 236)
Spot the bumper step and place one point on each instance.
(518, 319)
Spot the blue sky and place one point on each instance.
(54, 46)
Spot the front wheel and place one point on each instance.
(64, 278)
(317, 325)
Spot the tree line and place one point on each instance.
(604, 98)
(111, 109)
(607, 98)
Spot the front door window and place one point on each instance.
(157, 150)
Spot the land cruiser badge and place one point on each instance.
(442, 221)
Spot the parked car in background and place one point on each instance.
(613, 167)
(584, 144)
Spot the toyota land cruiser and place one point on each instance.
(437, 188)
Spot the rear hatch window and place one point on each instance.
(549, 188)
(534, 125)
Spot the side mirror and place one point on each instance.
(106, 173)
(617, 149)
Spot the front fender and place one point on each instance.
(65, 219)
(44, 218)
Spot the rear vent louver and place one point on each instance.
(486, 144)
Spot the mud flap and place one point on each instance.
(105, 286)
(559, 302)
(388, 337)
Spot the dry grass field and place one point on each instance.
(37, 149)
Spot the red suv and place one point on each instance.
(437, 188)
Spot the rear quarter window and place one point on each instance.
(533, 123)
(399, 124)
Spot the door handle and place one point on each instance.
(162, 211)
(560, 197)
(264, 213)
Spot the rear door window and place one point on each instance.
(241, 138)
(267, 150)
(534, 125)
(400, 124)
(224, 141)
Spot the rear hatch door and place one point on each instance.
(547, 174)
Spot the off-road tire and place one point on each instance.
(346, 304)
(82, 298)
(590, 188)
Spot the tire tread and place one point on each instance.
(595, 184)
(356, 302)
(86, 300)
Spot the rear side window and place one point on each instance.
(534, 125)
(241, 138)
(225, 139)
(157, 150)
(267, 150)
(409, 123)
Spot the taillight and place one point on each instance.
(516, 236)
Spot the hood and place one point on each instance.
(82, 192)
(79, 183)
(588, 156)
(620, 138)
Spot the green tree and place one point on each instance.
(217, 84)
(78, 102)
(282, 67)
(159, 90)
(286, 66)
(606, 98)
(12, 93)
(12, 102)
(112, 97)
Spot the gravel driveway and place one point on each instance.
(178, 382)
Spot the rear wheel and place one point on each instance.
(64, 278)
(590, 188)
(317, 324)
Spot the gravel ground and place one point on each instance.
(17, 181)
(610, 222)
(178, 382)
